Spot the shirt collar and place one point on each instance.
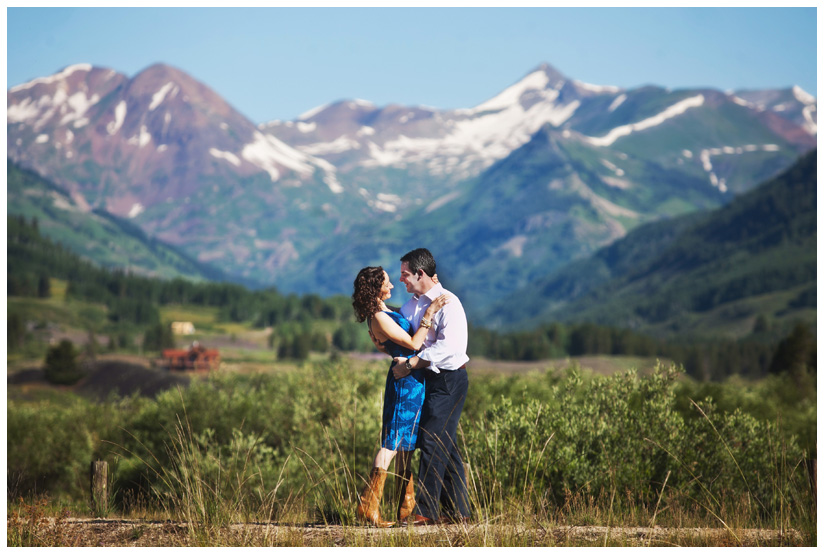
(434, 292)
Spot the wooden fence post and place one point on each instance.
(100, 481)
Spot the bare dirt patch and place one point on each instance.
(122, 375)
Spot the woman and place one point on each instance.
(402, 398)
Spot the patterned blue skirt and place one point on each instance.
(403, 400)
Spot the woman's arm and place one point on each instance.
(378, 345)
(384, 325)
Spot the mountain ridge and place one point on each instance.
(666, 271)
(97, 236)
(273, 203)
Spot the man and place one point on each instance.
(443, 356)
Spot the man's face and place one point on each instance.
(410, 280)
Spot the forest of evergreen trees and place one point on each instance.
(132, 306)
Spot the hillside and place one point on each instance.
(96, 235)
(699, 274)
(548, 170)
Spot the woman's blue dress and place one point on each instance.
(403, 398)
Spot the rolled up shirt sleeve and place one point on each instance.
(447, 350)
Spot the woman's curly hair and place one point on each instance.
(366, 289)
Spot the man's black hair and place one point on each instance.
(420, 259)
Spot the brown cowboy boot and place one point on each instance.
(405, 486)
(371, 498)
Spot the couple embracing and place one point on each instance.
(425, 392)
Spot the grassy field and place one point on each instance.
(237, 491)
(576, 451)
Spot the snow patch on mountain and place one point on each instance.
(309, 113)
(341, 144)
(801, 95)
(623, 130)
(483, 139)
(384, 206)
(136, 209)
(332, 182)
(514, 246)
(267, 152)
(120, 116)
(705, 154)
(441, 201)
(598, 89)
(617, 102)
(616, 182)
(743, 102)
(330, 177)
(61, 202)
(142, 139)
(42, 109)
(223, 155)
(600, 203)
(808, 110)
(23, 111)
(79, 103)
(810, 123)
(71, 108)
(611, 166)
(60, 76)
(511, 95)
(160, 96)
(304, 127)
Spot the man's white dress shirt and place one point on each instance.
(445, 346)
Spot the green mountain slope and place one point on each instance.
(701, 273)
(98, 236)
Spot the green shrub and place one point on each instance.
(49, 450)
(625, 435)
(251, 446)
(62, 364)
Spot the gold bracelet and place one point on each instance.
(426, 323)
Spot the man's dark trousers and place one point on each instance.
(441, 472)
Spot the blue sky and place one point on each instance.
(276, 63)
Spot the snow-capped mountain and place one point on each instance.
(792, 104)
(169, 152)
(548, 170)
(556, 169)
(453, 145)
(456, 144)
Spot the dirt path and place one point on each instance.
(142, 533)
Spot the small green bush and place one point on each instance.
(62, 364)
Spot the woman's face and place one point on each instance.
(386, 288)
